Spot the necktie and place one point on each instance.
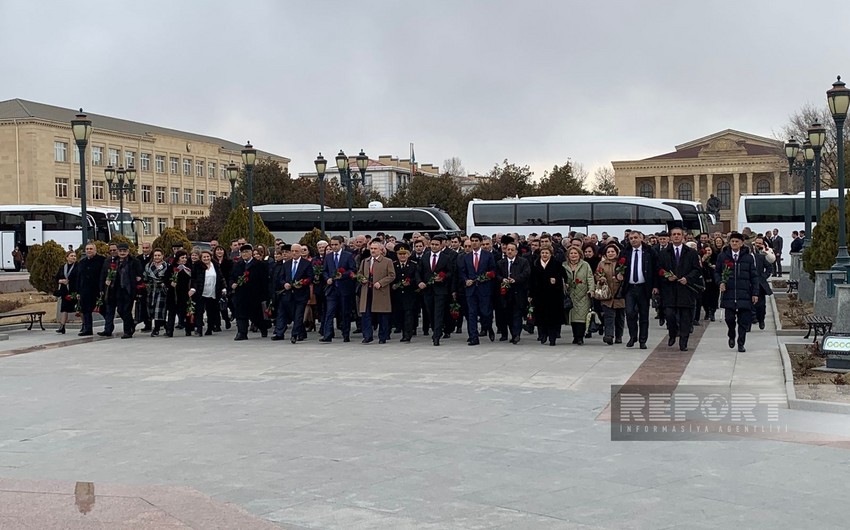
(735, 257)
(677, 255)
(336, 260)
(371, 265)
(294, 268)
(635, 261)
(510, 264)
(433, 262)
(475, 261)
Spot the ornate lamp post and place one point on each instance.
(348, 181)
(249, 157)
(81, 127)
(817, 137)
(232, 175)
(839, 100)
(120, 188)
(321, 166)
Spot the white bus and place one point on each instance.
(784, 212)
(24, 225)
(290, 222)
(588, 214)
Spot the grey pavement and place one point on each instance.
(346, 436)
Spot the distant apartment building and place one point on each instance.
(385, 175)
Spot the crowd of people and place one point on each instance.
(499, 286)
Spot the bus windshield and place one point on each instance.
(115, 221)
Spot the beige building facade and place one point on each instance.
(385, 175)
(178, 173)
(726, 164)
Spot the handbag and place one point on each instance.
(568, 302)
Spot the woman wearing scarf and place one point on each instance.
(156, 278)
(547, 296)
(225, 265)
(579, 279)
(67, 279)
(179, 278)
(613, 305)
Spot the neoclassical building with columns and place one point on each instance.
(727, 164)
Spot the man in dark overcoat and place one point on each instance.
(680, 275)
(89, 287)
(249, 281)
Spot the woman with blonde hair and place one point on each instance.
(67, 278)
(609, 278)
(579, 285)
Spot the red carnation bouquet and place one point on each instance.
(190, 311)
(729, 266)
(620, 268)
(506, 285)
(486, 277)
(437, 277)
(401, 284)
(454, 310)
(243, 279)
(664, 273)
(98, 304)
(339, 272)
(304, 282)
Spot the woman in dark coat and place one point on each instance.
(67, 279)
(592, 257)
(225, 265)
(708, 262)
(738, 279)
(157, 276)
(179, 282)
(546, 291)
(206, 290)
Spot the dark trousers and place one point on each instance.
(637, 314)
(87, 324)
(108, 313)
(210, 307)
(743, 318)
(125, 311)
(777, 265)
(404, 313)
(295, 313)
(514, 315)
(435, 306)
(337, 302)
(383, 324)
(760, 308)
(679, 321)
(480, 310)
(254, 313)
(549, 333)
(142, 314)
(281, 316)
(613, 321)
(426, 317)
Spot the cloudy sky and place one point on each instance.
(537, 82)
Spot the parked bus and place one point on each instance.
(290, 222)
(24, 225)
(588, 214)
(785, 212)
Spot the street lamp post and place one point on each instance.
(81, 127)
(120, 187)
(838, 98)
(347, 180)
(817, 137)
(321, 166)
(249, 157)
(232, 175)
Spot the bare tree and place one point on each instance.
(604, 182)
(454, 167)
(798, 128)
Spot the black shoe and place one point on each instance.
(741, 348)
(731, 342)
(169, 333)
(85, 334)
(188, 332)
(240, 336)
(661, 321)
(346, 339)
(608, 340)
(227, 324)
(491, 334)
(293, 340)
(643, 345)
(711, 316)
(146, 328)
(382, 341)
(61, 330)
(126, 336)
(671, 341)
(552, 342)
(631, 343)
(200, 333)
(357, 331)
(515, 340)
(155, 333)
(618, 340)
(503, 338)
(405, 339)
(580, 342)
(365, 341)
(324, 340)
(264, 333)
(475, 342)
(104, 334)
(683, 348)
(761, 324)
(278, 337)
(447, 335)
(436, 342)
(683, 344)
(179, 326)
(208, 332)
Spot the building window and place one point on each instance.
(222, 171)
(211, 196)
(160, 163)
(724, 193)
(97, 189)
(146, 193)
(162, 223)
(199, 168)
(686, 191)
(160, 194)
(146, 161)
(646, 190)
(61, 188)
(60, 152)
(199, 197)
(367, 181)
(113, 157)
(97, 156)
(187, 167)
(129, 159)
(211, 170)
(175, 163)
(175, 195)
(763, 186)
(76, 155)
(76, 188)
(148, 222)
(187, 196)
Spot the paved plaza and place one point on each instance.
(347, 436)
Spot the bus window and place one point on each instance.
(612, 213)
(771, 210)
(647, 215)
(49, 220)
(569, 214)
(493, 214)
(531, 214)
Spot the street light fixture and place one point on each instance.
(81, 127)
(347, 180)
(838, 98)
(232, 175)
(249, 157)
(119, 187)
(817, 137)
(321, 166)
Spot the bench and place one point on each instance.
(32, 315)
(818, 324)
(793, 285)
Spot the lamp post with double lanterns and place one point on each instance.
(232, 175)
(817, 137)
(123, 184)
(81, 127)
(804, 168)
(321, 166)
(348, 181)
(249, 157)
(838, 98)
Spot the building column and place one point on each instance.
(697, 191)
(657, 193)
(775, 182)
(709, 185)
(750, 185)
(670, 190)
(736, 195)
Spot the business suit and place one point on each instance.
(513, 304)
(637, 290)
(479, 295)
(249, 297)
(679, 300)
(340, 293)
(777, 244)
(292, 301)
(89, 288)
(436, 294)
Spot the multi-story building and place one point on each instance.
(384, 175)
(178, 173)
(726, 164)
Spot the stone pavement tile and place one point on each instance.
(583, 492)
(331, 516)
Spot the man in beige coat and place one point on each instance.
(377, 274)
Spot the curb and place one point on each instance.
(808, 405)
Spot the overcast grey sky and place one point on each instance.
(533, 81)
